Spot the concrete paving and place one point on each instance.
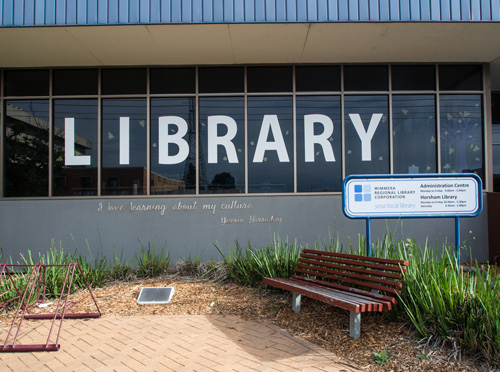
(169, 343)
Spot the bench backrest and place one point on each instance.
(346, 271)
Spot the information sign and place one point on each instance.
(393, 196)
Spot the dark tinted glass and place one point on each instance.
(270, 144)
(124, 144)
(317, 78)
(319, 151)
(173, 146)
(74, 169)
(222, 145)
(414, 133)
(269, 79)
(461, 134)
(460, 77)
(69, 82)
(495, 108)
(124, 81)
(221, 80)
(370, 78)
(26, 83)
(172, 80)
(413, 77)
(366, 134)
(26, 148)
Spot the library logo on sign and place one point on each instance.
(362, 193)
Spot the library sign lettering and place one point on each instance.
(174, 149)
(388, 196)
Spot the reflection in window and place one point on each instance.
(366, 135)
(461, 134)
(496, 168)
(75, 147)
(26, 148)
(124, 147)
(414, 133)
(173, 146)
(222, 145)
(319, 153)
(270, 144)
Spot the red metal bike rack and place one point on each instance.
(34, 296)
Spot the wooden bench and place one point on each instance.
(355, 283)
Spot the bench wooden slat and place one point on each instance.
(351, 282)
(359, 265)
(356, 257)
(376, 276)
(348, 301)
(348, 289)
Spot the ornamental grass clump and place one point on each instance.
(250, 265)
(446, 303)
(151, 262)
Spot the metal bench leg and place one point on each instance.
(296, 302)
(355, 325)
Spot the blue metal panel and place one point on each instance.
(363, 10)
(113, 11)
(29, 12)
(375, 8)
(260, 11)
(301, 11)
(485, 9)
(343, 10)
(218, 11)
(186, 11)
(281, 11)
(384, 10)
(425, 10)
(395, 10)
(176, 11)
(445, 11)
(165, 10)
(110, 12)
(353, 10)
(102, 12)
(404, 10)
(92, 12)
(465, 10)
(455, 10)
(495, 10)
(414, 10)
(270, 7)
(239, 11)
(333, 10)
(435, 10)
(312, 10)
(155, 11)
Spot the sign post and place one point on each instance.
(412, 196)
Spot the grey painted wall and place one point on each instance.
(189, 226)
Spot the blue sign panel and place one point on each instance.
(394, 196)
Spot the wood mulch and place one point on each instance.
(317, 322)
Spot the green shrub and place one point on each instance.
(150, 262)
(249, 265)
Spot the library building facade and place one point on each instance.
(202, 123)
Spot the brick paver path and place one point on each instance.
(170, 343)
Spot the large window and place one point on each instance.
(124, 146)
(461, 134)
(367, 134)
(236, 129)
(75, 147)
(414, 133)
(26, 154)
